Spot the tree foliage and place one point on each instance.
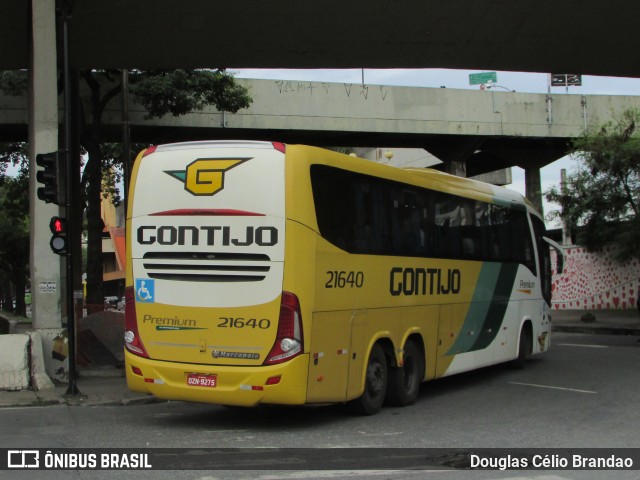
(16, 155)
(602, 195)
(13, 82)
(178, 92)
(14, 229)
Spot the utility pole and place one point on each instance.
(71, 319)
(566, 239)
(126, 137)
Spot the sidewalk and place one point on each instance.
(607, 322)
(106, 386)
(97, 387)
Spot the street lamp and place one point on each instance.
(493, 85)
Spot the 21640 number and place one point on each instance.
(342, 279)
(239, 322)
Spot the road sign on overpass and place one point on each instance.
(483, 78)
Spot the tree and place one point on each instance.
(13, 82)
(178, 92)
(161, 92)
(14, 228)
(602, 196)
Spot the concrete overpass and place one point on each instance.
(472, 131)
(481, 131)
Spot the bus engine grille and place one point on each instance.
(206, 266)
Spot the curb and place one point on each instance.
(85, 401)
(81, 401)
(595, 330)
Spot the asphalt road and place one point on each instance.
(582, 394)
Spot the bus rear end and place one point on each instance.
(206, 318)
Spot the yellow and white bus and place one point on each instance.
(264, 273)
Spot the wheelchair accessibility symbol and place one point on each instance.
(145, 290)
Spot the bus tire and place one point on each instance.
(525, 347)
(375, 387)
(404, 382)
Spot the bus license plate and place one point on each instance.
(202, 380)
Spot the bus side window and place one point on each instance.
(410, 238)
(446, 226)
(488, 250)
(529, 256)
(363, 221)
(335, 209)
(469, 231)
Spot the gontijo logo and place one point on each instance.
(205, 176)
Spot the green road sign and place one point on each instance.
(484, 77)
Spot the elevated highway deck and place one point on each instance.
(480, 131)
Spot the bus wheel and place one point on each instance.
(404, 382)
(524, 348)
(375, 387)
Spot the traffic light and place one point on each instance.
(51, 177)
(59, 241)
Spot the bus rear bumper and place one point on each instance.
(284, 384)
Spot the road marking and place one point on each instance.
(581, 345)
(543, 477)
(29, 407)
(299, 475)
(226, 431)
(384, 434)
(552, 387)
(368, 474)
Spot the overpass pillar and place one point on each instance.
(454, 154)
(46, 282)
(533, 187)
(456, 167)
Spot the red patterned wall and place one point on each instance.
(595, 281)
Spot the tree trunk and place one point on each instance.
(95, 226)
(19, 280)
(6, 300)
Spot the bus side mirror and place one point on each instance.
(559, 254)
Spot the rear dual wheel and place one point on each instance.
(404, 382)
(376, 381)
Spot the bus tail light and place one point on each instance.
(281, 147)
(132, 340)
(150, 150)
(288, 342)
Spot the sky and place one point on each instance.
(518, 81)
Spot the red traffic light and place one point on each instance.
(58, 225)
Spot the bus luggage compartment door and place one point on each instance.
(329, 357)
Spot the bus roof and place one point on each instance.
(468, 183)
(448, 181)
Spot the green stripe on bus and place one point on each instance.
(487, 309)
(499, 303)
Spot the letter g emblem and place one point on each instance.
(206, 176)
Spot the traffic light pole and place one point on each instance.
(72, 389)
